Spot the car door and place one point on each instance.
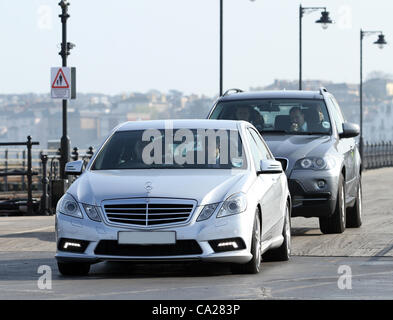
(271, 182)
(348, 146)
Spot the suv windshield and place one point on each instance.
(172, 149)
(291, 116)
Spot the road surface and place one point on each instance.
(355, 265)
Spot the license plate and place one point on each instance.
(153, 237)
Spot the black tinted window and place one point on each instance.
(293, 116)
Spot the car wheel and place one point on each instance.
(337, 221)
(254, 265)
(354, 214)
(284, 251)
(74, 268)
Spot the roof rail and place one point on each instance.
(322, 90)
(229, 90)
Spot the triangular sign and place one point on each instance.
(60, 81)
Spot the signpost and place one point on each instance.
(63, 83)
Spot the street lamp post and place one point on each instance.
(324, 20)
(380, 42)
(64, 53)
(221, 46)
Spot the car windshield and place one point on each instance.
(172, 149)
(288, 116)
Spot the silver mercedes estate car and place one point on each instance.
(176, 190)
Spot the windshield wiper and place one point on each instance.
(273, 131)
(310, 133)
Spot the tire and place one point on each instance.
(337, 221)
(254, 265)
(354, 214)
(284, 251)
(74, 268)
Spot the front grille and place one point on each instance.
(148, 211)
(284, 163)
(181, 247)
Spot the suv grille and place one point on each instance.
(148, 211)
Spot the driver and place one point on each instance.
(250, 115)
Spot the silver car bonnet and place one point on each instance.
(205, 186)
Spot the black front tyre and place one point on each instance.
(254, 265)
(337, 221)
(73, 268)
(354, 214)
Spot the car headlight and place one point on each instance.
(67, 205)
(235, 204)
(92, 212)
(315, 163)
(207, 211)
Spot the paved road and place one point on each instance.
(317, 270)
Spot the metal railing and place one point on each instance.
(53, 186)
(378, 155)
(12, 172)
(41, 169)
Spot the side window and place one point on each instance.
(337, 116)
(256, 153)
(261, 145)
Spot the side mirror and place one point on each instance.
(74, 167)
(350, 130)
(270, 167)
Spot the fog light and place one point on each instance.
(72, 245)
(231, 244)
(321, 184)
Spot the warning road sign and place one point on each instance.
(60, 80)
(63, 83)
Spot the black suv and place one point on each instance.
(307, 133)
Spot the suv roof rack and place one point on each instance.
(322, 90)
(233, 89)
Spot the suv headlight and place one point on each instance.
(235, 204)
(315, 163)
(67, 205)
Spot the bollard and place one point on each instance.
(390, 154)
(44, 181)
(90, 152)
(29, 178)
(75, 154)
(5, 170)
(24, 168)
(365, 156)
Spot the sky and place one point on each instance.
(139, 45)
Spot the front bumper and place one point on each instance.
(102, 240)
(310, 200)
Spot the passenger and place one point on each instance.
(298, 123)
